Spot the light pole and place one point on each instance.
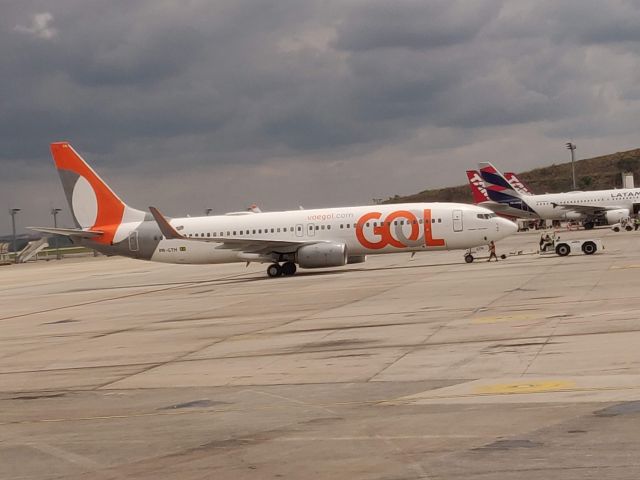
(572, 147)
(55, 212)
(207, 211)
(13, 212)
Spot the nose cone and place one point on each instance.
(506, 227)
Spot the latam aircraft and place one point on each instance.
(329, 237)
(609, 205)
(481, 197)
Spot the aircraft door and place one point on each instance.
(457, 221)
(133, 241)
(299, 230)
(311, 229)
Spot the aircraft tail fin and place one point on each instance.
(518, 184)
(478, 189)
(93, 204)
(498, 188)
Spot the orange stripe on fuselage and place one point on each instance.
(110, 207)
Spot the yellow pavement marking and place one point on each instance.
(536, 386)
(501, 318)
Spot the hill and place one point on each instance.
(591, 174)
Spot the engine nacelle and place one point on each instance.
(573, 216)
(356, 259)
(319, 255)
(615, 216)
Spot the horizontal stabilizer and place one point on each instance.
(68, 232)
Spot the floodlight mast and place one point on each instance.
(55, 212)
(572, 147)
(12, 212)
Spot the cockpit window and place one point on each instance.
(486, 216)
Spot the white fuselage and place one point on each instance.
(557, 206)
(365, 230)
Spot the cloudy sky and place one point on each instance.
(189, 104)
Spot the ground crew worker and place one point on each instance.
(492, 251)
(545, 242)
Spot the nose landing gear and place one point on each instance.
(287, 269)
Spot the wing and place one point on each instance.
(247, 245)
(68, 232)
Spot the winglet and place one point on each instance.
(165, 227)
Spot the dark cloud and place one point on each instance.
(414, 24)
(240, 85)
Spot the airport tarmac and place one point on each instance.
(429, 368)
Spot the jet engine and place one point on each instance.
(615, 216)
(356, 259)
(319, 255)
(572, 216)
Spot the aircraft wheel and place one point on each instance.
(288, 269)
(588, 225)
(468, 258)
(274, 270)
(628, 228)
(563, 249)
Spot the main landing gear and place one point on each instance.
(287, 269)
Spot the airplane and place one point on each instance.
(328, 237)
(610, 206)
(481, 197)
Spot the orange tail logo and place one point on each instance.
(93, 203)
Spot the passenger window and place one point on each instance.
(341, 225)
(328, 227)
(367, 224)
(208, 234)
(317, 227)
(272, 230)
(322, 227)
(348, 225)
(439, 220)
